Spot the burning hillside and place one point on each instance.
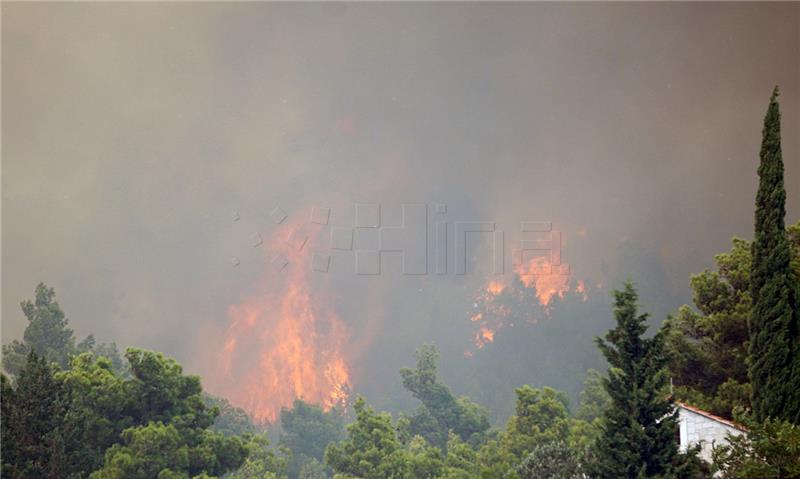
(523, 300)
(283, 343)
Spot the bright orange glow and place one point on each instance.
(284, 345)
(538, 272)
(497, 306)
(483, 336)
(495, 287)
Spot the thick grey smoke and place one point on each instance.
(132, 132)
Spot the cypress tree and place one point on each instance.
(774, 369)
(638, 435)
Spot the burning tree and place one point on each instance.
(281, 343)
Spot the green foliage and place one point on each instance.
(639, 429)
(440, 412)
(541, 417)
(262, 462)
(48, 334)
(495, 460)
(160, 392)
(372, 450)
(551, 460)
(148, 451)
(159, 450)
(107, 350)
(34, 436)
(306, 430)
(586, 427)
(768, 450)
(230, 420)
(89, 419)
(313, 469)
(461, 461)
(99, 408)
(774, 338)
(103, 404)
(170, 433)
(423, 459)
(708, 348)
(594, 398)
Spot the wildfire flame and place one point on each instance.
(284, 345)
(537, 284)
(537, 273)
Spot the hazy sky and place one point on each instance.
(131, 132)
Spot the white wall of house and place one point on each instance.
(697, 428)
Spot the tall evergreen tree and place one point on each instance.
(774, 362)
(49, 335)
(33, 417)
(638, 433)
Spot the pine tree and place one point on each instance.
(638, 434)
(774, 368)
(33, 423)
(47, 333)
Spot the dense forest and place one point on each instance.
(82, 409)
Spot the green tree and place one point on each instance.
(461, 461)
(108, 350)
(33, 414)
(306, 430)
(231, 420)
(262, 462)
(313, 469)
(99, 408)
(160, 392)
(594, 398)
(638, 432)
(49, 335)
(551, 460)
(90, 419)
(586, 426)
(160, 450)
(708, 347)
(440, 412)
(774, 331)
(166, 423)
(373, 450)
(541, 417)
(768, 450)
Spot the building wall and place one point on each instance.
(696, 428)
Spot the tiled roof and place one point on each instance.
(708, 415)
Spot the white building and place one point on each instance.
(698, 426)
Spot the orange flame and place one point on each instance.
(542, 282)
(483, 336)
(538, 272)
(285, 345)
(495, 287)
